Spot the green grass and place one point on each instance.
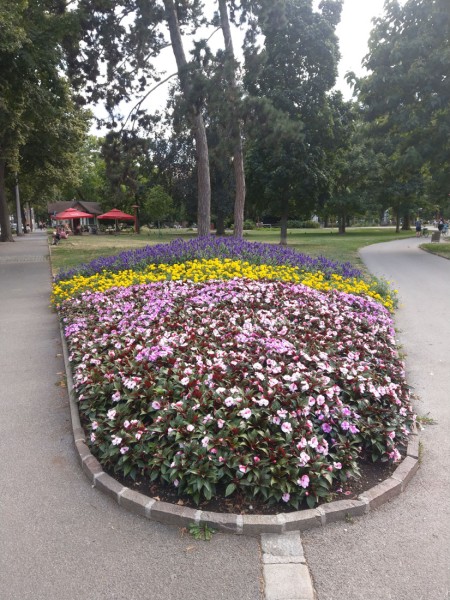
(441, 249)
(315, 242)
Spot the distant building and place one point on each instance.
(92, 208)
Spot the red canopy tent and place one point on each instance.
(116, 215)
(72, 213)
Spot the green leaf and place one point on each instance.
(230, 489)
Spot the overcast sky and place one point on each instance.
(353, 32)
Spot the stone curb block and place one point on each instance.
(172, 514)
(110, 486)
(303, 520)
(343, 509)
(406, 471)
(381, 493)
(253, 525)
(413, 446)
(224, 521)
(135, 502)
(257, 524)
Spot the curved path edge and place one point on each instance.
(253, 525)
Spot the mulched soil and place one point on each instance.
(371, 475)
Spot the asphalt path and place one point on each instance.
(401, 551)
(60, 539)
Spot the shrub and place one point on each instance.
(293, 224)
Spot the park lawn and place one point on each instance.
(441, 249)
(314, 242)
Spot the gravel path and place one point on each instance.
(401, 551)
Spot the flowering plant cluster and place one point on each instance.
(271, 388)
(180, 251)
(207, 269)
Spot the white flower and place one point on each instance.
(116, 440)
(245, 413)
(286, 427)
(111, 413)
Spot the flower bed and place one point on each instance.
(270, 388)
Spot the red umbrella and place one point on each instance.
(117, 215)
(72, 213)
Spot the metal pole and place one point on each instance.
(18, 211)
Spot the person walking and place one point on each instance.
(418, 228)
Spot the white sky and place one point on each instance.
(353, 32)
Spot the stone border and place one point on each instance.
(254, 525)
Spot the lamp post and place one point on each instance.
(18, 210)
(136, 218)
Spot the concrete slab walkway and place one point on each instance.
(59, 538)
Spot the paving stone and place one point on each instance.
(284, 545)
(287, 582)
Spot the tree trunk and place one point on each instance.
(397, 220)
(198, 125)
(342, 222)
(406, 221)
(220, 223)
(284, 220)
(236, 133)
(6, 235)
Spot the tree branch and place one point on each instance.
(145, 97)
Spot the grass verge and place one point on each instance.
(314, 242)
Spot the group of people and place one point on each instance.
(441, 225)
(60, 233)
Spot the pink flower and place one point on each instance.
(116, 440)
(256, 459)
(286, 427)
(285, 497)
(116, 396)
(326, 427)
(229, 401)
(111, 413)
(124, 450)
(245, 413)
(220, 423)
(345, 425)
(156, 405)
(303, 481)
(94, 425)
(243, 468)
(190, 427)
